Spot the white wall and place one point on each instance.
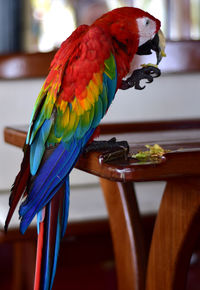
(168, 97)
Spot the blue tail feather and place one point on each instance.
(65, 207)
(56, 217)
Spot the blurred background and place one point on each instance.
(41, 25)
(29, 26)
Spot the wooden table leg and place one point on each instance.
(176, 230)
(127, 235)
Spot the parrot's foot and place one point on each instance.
(148, 73)
(113, 149)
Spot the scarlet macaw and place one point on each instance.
(83, 79)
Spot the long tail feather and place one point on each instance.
(52, 228)
(19, 187)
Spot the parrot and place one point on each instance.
(84, 76)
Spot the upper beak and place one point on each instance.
(160, 47)
(157, 44)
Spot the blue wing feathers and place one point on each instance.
(51, 164)
(48, 181)
(38, 146)
(50, 169)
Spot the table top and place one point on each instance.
(181, 137)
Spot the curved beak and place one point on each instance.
(160, 49)
(157, 44)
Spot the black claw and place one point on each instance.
(113, 148)
(125, 85)
(146, 73)
(115, 155)
(138, 87)
(112, 140)
(149, 79)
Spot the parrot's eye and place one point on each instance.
(147, 22)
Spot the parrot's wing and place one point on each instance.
(67, 117)
(50, 90)
(42, 115)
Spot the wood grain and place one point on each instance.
(127, 234)
(176, 231)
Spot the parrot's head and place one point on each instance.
(146, 44)
(136, 31)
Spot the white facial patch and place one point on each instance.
(146, 28)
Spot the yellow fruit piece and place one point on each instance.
(149, 64)
(154, 153)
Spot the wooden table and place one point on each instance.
(177, 228)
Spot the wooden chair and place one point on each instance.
(177, 224)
